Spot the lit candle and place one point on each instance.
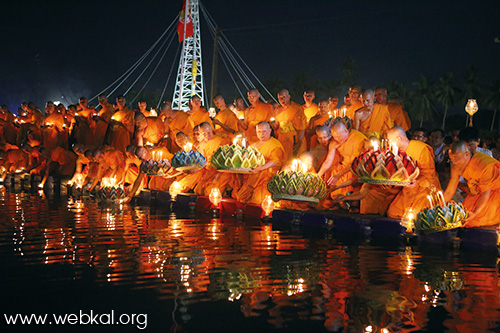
(241, 116)
(272, 119)
(243, 143)
(329, 114)
(394, 149)
(153, 113)
(441, 196)
(188, 146)
(375, 145)
(295, 164)
(430, 200)
(215, 196)
(212, 113)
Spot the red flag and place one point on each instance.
(185, 20)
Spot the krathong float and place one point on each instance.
(109, 191)
(188, 159)
(297, 184)
(157, 166)
(337, 116)
(237, 158)
(440, 216)
(385, 166)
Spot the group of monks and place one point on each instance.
(86, 143)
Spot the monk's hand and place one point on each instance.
(332, 181)
(470, 216)
(338, 198)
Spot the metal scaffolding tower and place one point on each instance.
(190, 73)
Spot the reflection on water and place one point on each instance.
(248, 274)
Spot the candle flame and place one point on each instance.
(215, 196)
(188, 146)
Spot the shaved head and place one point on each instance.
(398, 136)
(459, 147)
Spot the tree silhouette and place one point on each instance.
(423, 104)
(446, 94)
(493, 100)
(472, 88)
(349, 72)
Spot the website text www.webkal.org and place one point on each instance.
(81, 318)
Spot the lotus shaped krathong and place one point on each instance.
(297, 185)
(385, 167)
(155, 167)
(188, 159)
(110, 192)
(442, 216)
(236, 158)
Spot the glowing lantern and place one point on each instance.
(174, 190)
(212, 113)
(408, 220)
(471, 108)
(268, 205)
(215, 196)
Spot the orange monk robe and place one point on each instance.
(121, 129)
(154, 131)
(351, 149)
(208, 173)
(399, 116)
(65, 159)
(106, 112)
(182, 124)
(254, 187)
(228, 118)
(377, 122)
(291, 119)
(53, 126)
(416, 196)
(84, 130)
(159, 182)
(199, 116)
(10, 131)
(353, 108)
(310, 111)
(313, 123)
(113, 163)
(483, 173)
(16, 159)
(254, 114)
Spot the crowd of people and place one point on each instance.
(85, 143)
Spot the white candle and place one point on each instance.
(430, 200)
(441, 196)
(395, 149)
(244, 143)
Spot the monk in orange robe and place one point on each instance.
(54, 124)
(320, 151)
(310, 108)
(9, 130)
(84, 129)
(355, 101)
(13, 160)
(373, 119)
(318, 120)
(257, 111)
(225, 122)
(254, 187)
(398, 116)
(290, 125)
(60, 163)
(482, 174)
(111, 164)
(81, 162)
(143, 108)
(349, 144)
(175, 122)
(121, 127)
(197, 114)
(207, 174)
(394, 200)
(102, 120)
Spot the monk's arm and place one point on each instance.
(243, 124)
(356, 121)
(98, 177)
(328, 161)
(224, 126)
(452, 186)
(136, 186)
(354, 196)
(300, 138)
(266, 166)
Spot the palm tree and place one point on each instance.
(446, 94)
(493, 100)
(422, 99)
(472, 87)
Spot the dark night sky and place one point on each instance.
(55, 48)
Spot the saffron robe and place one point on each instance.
(483, 173)
(291, 119)
(254, 187)
(120, 131)
(254, 114)
(377, 122)
(399, 116)
(310, 111)
(228, 118)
